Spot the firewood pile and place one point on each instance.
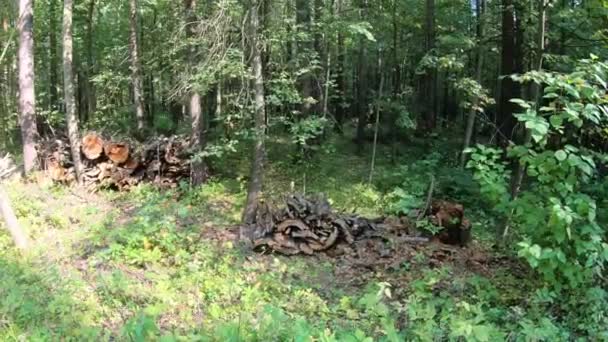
(304, 225)
(118, 164)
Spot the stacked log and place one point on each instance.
(119, 164)
(305, 225)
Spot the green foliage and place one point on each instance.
(561, 235)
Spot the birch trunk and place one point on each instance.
(27, 96)
(136, 78)
(68, 89)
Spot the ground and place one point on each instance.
(166, 264)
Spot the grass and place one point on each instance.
(158, 265)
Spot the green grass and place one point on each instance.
(153, 265)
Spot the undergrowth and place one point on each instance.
(144, 265)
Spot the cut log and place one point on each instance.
(117, 152)
(119, 165)
(92, 146)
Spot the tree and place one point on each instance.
(197, 137)
(53, 79)
(136, 78)
(257, 162)
(430, 81)
(27, 96)
(68, 89)
(506, 120)
(480, 6)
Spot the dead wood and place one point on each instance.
(92, 146)
(119, 164)
(304, 225)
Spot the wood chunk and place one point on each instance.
(92, 146)
(117, 152)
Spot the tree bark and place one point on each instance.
(304, 23)
(27, 96)
(535, 92)
(68, 89)
(90, 69)
(257, 163)
(506, 120)
(197, 136)
(431, 75)
(53, 79)
(13, 226)
(480, 11)
(136, 78)
(340, 77)
(378, 109)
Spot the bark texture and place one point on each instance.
(138, 91)
(197, 136)
(257, 163)
(68, 88)
(27, 96)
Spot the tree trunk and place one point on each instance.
(535, 93)
(13, 226)
(53, 79)
(197, 137)
(362, 100)
(304, 23)
(378, 109)
(257, 163)
(27, 96)
(431, 75)
(136, 78)
(340, 77)
(397, 66)
(90, 68)
(68, 89)
(506, 120)
(480, 11)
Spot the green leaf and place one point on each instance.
(561, 155)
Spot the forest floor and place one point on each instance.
(153, 264)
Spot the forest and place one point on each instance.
(304, 170)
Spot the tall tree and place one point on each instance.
(340, 76)
(430, 77)
(480, 6)
(53, 64)
(305, 48)
(68, 88)
(197, 136)
(27, 96)
(506, 120)
(136, 78)
(90, 67)
(257, 163)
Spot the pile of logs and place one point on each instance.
(118, 164)
(304, 225)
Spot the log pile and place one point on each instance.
(119, 164)
(304, 225)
